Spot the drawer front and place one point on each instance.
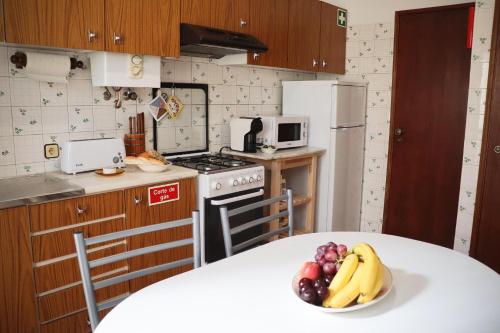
(61, 243)
(71, 300)
(65, 272)
(62, 213)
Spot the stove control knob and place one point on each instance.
(234, 182)
(217, 186)
(251, 180)
(259, 178)
(244, 181)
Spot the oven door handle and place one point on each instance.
(241, 197)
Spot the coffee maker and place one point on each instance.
(244, 134)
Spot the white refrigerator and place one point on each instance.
(337, 112)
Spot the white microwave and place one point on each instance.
(283, 132)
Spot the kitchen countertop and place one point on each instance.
(20, 191)
(25, 190)
(280, 154)
(133, 176)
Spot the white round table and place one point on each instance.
(435, 290)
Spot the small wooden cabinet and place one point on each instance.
(195, 12)
(40, 283)
(269, 23)
(75, 24)
(332, 50)
(144, 27)
(315, 42)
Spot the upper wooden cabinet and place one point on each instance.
(269, 23)
(196, 12)
(144, 27)
(59, 23)
(230, 15)
(315, 41)
(332, 41)
(2, 23)
(304, 34)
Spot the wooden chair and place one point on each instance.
(228, 232)
(89, 287)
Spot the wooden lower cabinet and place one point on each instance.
(139, 213)
(17, 293)
(40, 284)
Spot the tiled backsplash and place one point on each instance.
(35, 113)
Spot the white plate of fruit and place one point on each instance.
(343, 280)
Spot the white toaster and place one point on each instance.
(86, 155)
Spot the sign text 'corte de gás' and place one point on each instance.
(163, 193)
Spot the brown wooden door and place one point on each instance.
(486, 230)
(332, 41)
(57, 23)
(143, 27)
(431, 78)
(140, 214)
(196, 12)
(2, 23)
(17, 292)
(269, 23)
(230, 15)
(303, 34)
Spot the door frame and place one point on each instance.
(493, 86)
(392, 127)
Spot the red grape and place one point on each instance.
(318, 283)
(321, 250)
(318, 257)
(322, 261)
(328, 279)
(342, 250)
(329, 268)
(322, 292)
(331, 256)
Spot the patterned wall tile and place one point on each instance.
(5, 121)
(55, 119)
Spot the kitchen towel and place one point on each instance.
(48, 67)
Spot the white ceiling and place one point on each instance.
(378, 11)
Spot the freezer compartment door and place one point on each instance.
(349, 106)
(346, 172)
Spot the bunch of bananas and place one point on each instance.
(360, 276)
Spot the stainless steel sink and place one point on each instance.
(25, 190)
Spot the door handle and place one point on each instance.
(241, 197)
(398, 132)
(497, 149)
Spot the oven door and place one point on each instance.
(214, 239)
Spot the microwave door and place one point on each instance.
(289, 132)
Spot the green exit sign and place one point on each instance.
(342, 18)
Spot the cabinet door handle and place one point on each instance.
(315, 62)
(91, 36)
(117, 39)
(324, 63)
(137, 199)
(497, 149)
(80, 211)
(256, 56)
(243, 23)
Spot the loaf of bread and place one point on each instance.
(132, 160)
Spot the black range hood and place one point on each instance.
(207, 42)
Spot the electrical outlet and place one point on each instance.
(51, 150)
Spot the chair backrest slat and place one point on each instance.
(89, 287)
(139, 252)
(263, 203)
(254, 223)
(142, 272)
(137, 231)
(228, 231)
(257, 239)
